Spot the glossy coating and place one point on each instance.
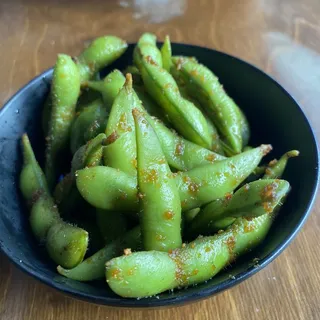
(19, 245)
(160, 207)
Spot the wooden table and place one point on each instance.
(280, 36)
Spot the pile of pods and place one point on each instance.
(148, 180)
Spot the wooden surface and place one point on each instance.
(280, 36)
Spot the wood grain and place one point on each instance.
(279, 36)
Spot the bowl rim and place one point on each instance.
(203, 293)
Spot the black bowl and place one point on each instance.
(274, 117)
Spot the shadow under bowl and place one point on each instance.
(274, 117)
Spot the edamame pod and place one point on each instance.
(108, 188)
(100, 53)
(43, 215)
(166, 54)
(210, 182)
(205, 87)
(32, 179)
(94, 267)
(109, 87)
(180, 153)
(215, 143)
(65, 90)
(252, 200)
(91, 121)
(103, 187)
(65, 243)
(160, 214)
(89, 155)
(154, 272)
(276, 168)
(121, 123)
(147, 47)
(186, 118)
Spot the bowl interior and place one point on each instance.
(274, 118)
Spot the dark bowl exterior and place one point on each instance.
(274, 117)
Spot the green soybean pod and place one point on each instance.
(121, 123)
(154, 272)
(44, 216)
(215, 143)
(184, 116)
(91, 121)
(160, 214)
(252, 200)
(147, 47)
(93, 268)
(166, 54)
(65, 90)
(88, 155)
(66, 244)
(205, 86)
(32, 179)
(276, 168)
(204, 184)
(109, 87)
(180, 153)
(100, 53)
(108, 188)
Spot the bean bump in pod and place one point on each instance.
(160, 214)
